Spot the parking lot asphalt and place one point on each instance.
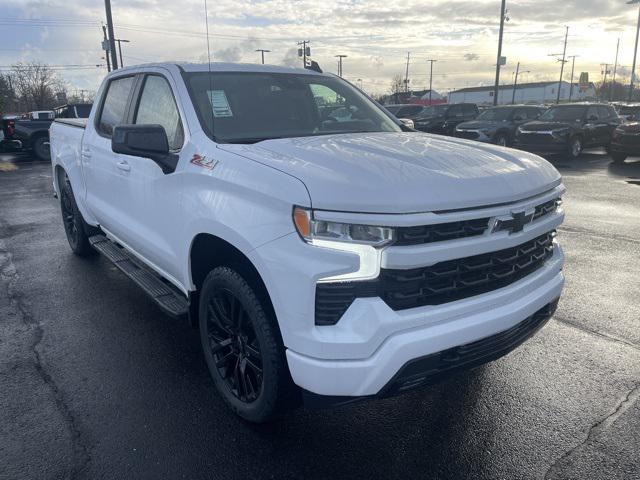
(95, 382)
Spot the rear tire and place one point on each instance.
(575, 148)
(75, 227)
(618, 157)
(41, 148)
(242, 347)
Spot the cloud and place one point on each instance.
(471, 57)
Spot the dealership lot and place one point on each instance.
(96, 383)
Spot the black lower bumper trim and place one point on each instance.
(430, 369)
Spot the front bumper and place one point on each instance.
(442, 327)
(475, 135)
(436, 367)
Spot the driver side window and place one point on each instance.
(157, 106)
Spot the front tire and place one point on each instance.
(242, 347)
(501, 140)
(575, 148)
(74, 225)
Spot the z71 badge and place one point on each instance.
(204, 162)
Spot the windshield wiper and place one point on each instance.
(249, 140)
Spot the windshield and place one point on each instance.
(250, 107)
(435, 111)
(495, 114)
(572, 113)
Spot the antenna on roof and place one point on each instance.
(210, 92)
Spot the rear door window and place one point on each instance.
(158, 106)
(592, 113)
(114, 107)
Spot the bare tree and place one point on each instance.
(36, 86)
(7, 95)
(397, 86)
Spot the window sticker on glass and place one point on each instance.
(220, 104)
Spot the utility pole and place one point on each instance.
(615, 69)
(573, 67)
(406, 75)
(262, 52)
(564, 54)
(304, 51)
(496, 88)
(340, 57)
(106, 50)
(515, 83)
(635, 51)
(431, 78)
(112, 42)
(604, 80)
(119, 40)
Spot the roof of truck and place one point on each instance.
(225, 67)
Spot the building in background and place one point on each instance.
(538, 92)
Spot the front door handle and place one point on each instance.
(124, 166)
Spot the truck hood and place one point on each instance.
(390, 172)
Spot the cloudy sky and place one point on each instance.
(375, 34)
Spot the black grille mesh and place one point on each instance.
(440, 232)
(443, 282)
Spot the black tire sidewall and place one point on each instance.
(266, 405)
(81, 245)
(497, 138)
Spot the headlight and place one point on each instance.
(320, 230)
(364, 240)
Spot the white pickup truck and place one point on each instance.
(324, 257)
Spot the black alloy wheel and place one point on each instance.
(234, 346)
(242, 345)
(74, 225)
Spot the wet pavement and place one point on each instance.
(95, 382)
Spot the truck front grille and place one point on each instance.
(440, 283)
(440, 232)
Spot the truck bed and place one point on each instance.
(74, 122)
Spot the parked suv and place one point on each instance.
(445, 118)
(322, 260)
(498, 125)
(568, 129)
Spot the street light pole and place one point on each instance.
(340, 57)
(119, 40)
(262, 51)
(635, 50)
(503, 13)
(431, 78)
(573, 67)
(515, 83)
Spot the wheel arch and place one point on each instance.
(208, 251)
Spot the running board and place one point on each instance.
(168, 298)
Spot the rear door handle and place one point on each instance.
(124, 166)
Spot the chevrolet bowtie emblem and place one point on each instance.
(514, 224)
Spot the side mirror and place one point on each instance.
(148, 141)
